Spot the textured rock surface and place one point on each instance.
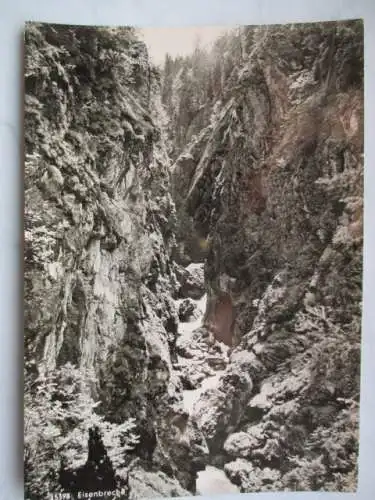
(274, 185)
(150, 485)
(191, 280)
(98, 235)
(250, 478)
(263, 379)
(187, 310)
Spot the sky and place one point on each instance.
(178, 40)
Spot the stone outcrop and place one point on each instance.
(187, 310)
(191, 280)
(99, 232)
(274, 185)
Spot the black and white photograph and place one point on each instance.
(193, 235)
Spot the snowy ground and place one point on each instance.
(211, 480)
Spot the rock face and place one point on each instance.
(274, 184)
(238, 348)
(98, 236)
(220, 317)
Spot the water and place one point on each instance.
(213, 481)
(185, 329)
(191, 397)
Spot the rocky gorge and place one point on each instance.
(193, 262)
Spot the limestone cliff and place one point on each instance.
(274, 186)
(98, 234)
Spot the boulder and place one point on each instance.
(241, 444)
(249, 478)
(187, 310)
(191, 280)
(220, 409)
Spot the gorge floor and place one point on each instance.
(211, 480)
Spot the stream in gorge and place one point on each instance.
(143, 365)
(211, 480)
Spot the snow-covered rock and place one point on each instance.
(187, 310)
(249, 478)
(220, 408)
(191, 280)
(241, 444)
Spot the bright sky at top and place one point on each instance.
(178, 40)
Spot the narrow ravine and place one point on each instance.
(135, 174)
(194, 362)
